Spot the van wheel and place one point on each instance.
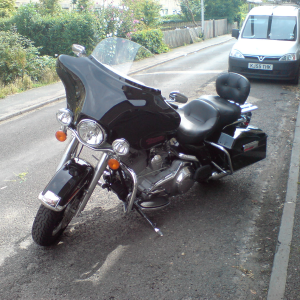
(296, 79)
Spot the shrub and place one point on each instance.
(7, 7)
(5, 24)
(151, 39)
(19, 59)
(56, 34)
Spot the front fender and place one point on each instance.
(66, 183)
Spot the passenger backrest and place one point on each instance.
(233, 86)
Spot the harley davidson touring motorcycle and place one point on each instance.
(148, 148)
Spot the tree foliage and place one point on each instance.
(217, 9)
(7, 7)
(213, 9)
(19, 57)
(146, 12)
(49, 6)
(152, 39)
(82, 4)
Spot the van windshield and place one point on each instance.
(271, 27)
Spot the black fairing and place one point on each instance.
(124, 108)
(68, 181)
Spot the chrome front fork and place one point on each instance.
(68, 152)
(100, 168)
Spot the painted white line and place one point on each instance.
(182, 72)
(281, 259)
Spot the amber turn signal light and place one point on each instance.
(113, 164)
(60, 135)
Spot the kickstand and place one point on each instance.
(157, 230)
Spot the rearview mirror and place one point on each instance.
(178, 97)
(78, 50)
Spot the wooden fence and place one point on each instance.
(212, 28)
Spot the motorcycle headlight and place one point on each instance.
(64, 116)
(236, 53)
(91, 133)
(288, 57)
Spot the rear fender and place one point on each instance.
(67, 182)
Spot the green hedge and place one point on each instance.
(56, 34)
(19, 57)
(152, 39)
(5, 24)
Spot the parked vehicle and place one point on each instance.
(268, 46)
(147, 148)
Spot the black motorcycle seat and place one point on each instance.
(198, 119)
(204, 116)
(229, 112)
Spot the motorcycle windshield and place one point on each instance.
(122, 56)
(98, 87)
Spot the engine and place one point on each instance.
(159, 173)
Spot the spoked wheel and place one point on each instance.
(49, 225)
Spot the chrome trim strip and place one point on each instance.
(188, 157)
(68, 152)
(167, 178)
(100, 168)
(247, 107)
(227, 154)
(128, 208)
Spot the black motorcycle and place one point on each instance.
(147, 148)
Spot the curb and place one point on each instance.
(281, 258)
(30, 108)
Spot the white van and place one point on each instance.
(268, 45)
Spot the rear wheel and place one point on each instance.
(49, 225)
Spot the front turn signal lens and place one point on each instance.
(113, 164)
(60, 135)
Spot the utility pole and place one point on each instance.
(202, 17)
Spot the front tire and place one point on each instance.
(295, 81)
(49, 225)
(46, 228)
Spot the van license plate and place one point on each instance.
(267, 67)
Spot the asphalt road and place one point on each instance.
(219, 238)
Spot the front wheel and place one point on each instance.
(295, 81)
(49, 225)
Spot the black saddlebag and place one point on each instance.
(245, 146)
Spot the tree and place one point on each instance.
(217, 9)
(7, 7)
(144, 11)
(191, 9)
(189, 13)
(83, 4)
(49, 6)
(214, 9)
